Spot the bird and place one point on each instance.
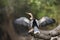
(33, 23)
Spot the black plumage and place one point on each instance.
(34, 23)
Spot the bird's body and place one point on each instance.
(34, 23)
(35, 26)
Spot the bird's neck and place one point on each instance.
(31, 17)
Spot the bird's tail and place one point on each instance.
(36, 30)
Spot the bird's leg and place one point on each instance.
(31, 30)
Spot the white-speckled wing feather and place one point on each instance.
(22, 21)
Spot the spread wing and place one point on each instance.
(22, 21)
(44, 21)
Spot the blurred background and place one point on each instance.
(12, 9)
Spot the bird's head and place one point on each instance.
(31, 16)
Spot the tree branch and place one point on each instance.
(48, 34)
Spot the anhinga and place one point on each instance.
(34, 23)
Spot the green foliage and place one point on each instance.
(3, 2)
(43, 8)
(39, 8)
